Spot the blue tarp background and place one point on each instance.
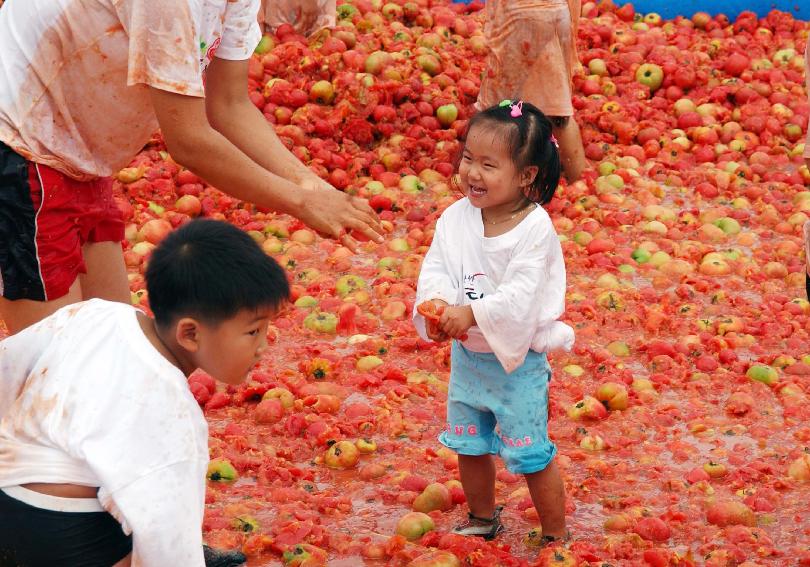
(670, 8)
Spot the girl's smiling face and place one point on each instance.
(488, 175)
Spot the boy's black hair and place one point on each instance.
(211, 270)
(529, 141)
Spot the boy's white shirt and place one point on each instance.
(86, 399)
(515, 283)
(74, 73)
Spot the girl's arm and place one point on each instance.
(435, 279)
(531, 295)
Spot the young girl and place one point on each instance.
(495, 271)
(532, 56)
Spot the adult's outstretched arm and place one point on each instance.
(194, 142)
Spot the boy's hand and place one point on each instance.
(434, 333)
(456, 321)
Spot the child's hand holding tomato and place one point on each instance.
(456, 321)
(431, 311)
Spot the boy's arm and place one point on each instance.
(163, 509)
(134, 423)
(193, 142)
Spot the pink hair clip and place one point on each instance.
(555, 142)
(517, 109)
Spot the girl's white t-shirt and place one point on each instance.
(86, 399)
(74, 73)
(515, 282)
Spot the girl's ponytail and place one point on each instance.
(541, 149)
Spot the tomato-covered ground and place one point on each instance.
(686, 288)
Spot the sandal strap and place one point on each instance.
(548, 539)
(496, 514)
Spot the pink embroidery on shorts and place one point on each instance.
(516, 442)
(460, 429)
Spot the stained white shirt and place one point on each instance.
(806, 153)
(515, 283)
(74, 74)
(86, 399)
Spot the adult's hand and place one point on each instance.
(335, 213)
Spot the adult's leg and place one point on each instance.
(106, 276)
(548, 496)
(806, 234)
(478, 479)
(23, 313)
(572, 154)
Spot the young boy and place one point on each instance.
(103, 449)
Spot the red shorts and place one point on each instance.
(45, 219)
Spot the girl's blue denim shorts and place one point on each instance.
(492, 412)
